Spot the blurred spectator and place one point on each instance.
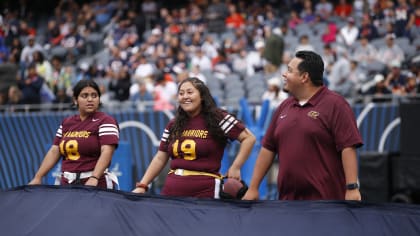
(349, 33)
(43, 66)
(367, 29)
(271, 19)
(4, 50)
(62, 101)
(395, 80)
(307, 14)
(324, 9)
(165, 93)
(62, 76)
(379, 90)
(360, 8)
(74, 44)
(273, 51)
(215, 15)
(411, 85)
(343, 9)
(14, 99)
(304, 44)
(196, 72)
(150, 10)
(201, 59)
(142, 97)
(414, 24)
(274, 92)
(53, 35)
(103, 10)
(120, 85)
(329, 58)
(390, 51)
(234, 20)
(339, 77)
(221, 65)
(294, 20)
(210, 47)
(15, 50)
(330, 33)
(239, 62)
(365, 52)
(144, 71)
(403, 14)
(357, 75)
(27, 52)
(255, 59)
(31, 86)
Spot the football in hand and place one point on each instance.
(233, 188)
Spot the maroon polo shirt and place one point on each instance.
(309, 140)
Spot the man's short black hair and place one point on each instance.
(312, 64)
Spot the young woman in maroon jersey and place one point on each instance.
(86, 142)
(195, 141)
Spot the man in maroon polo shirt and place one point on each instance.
(315, 136)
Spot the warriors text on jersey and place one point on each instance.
(196, 149)
(80, 141)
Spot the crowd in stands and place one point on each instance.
(139, 51)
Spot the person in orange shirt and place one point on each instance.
(343, 9)
(235, 19)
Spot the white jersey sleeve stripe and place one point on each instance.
(165, 135)
(59, 132)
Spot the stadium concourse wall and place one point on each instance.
(25, 138)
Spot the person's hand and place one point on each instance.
(234, 173)
(139, 190)
(92, 182)
(35, 181)
(251, 194)
(353, 195)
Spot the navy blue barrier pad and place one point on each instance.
(70, 210)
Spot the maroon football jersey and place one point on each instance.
(196, 150)
(80, 141)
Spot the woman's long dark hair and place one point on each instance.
(209, 110)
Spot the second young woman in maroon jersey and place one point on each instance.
(195, 141)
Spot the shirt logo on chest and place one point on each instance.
(313, 114)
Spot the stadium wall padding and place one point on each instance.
(69, 211)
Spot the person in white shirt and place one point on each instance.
(390, 51)
(201, 59)
(365, 52)
(274, 92)
(349, 33)
(304, 44)
(255, 61)
(27, 52)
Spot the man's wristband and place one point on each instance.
(141, 185)
(352, 186)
